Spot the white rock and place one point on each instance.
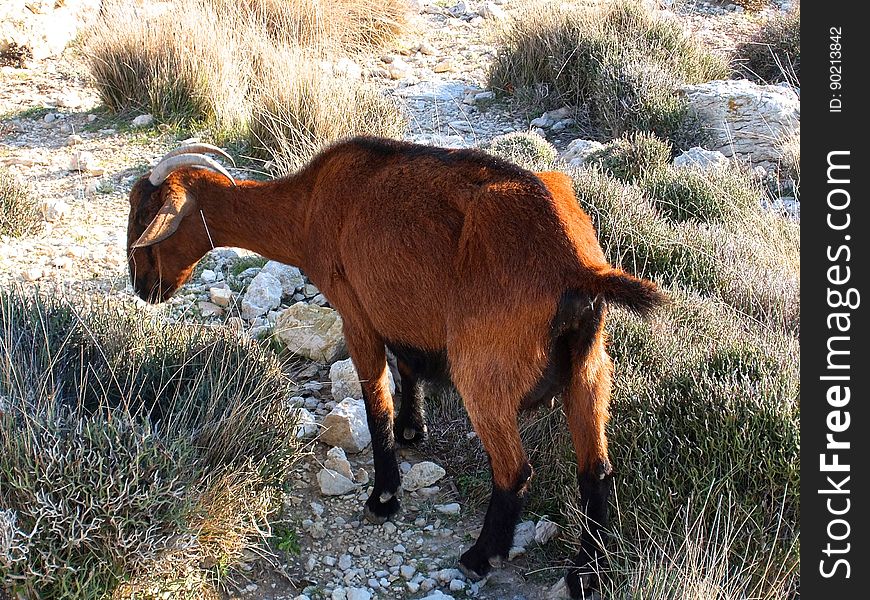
(347, 68)
(311, 331)
(458, 10)
(208, 276)
(32, 274)
(346, 383)
(542, 122)
(559, 590)
(262, 295)
(545, 530)
(306, 426)
(490, 10)
(221, 295)
(407, 571)
(142, 121)
(207, 309)
(444, 66)
(334, 484)
(336, 460)
(448, 509)
(421, 475)
(399, 69)
(358, 594)
(700, 158)
(54, 210)
(524, 534)
(438, 595)
(346, 426)
(578, 151)
(457, 585)
(290, 277)
(43, 28)
(85, 162)
(745, 118)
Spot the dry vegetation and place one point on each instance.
(19, 215)
(261, 72)
(774, 52)
(131, 452)
(619, 61)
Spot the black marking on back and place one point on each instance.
(572, 332)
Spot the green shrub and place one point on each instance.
(628, 158)
(708, 196)
(132, 452)
(19, 215)
(527, 150)
(620, 61)
(774, 52)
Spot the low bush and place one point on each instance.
(527, 150)
(135, 457)
(630, 157)
(19, 214)
(620, 61)
(774, 52)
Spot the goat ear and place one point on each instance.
(167, 219)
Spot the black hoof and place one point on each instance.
(476, 565)
(378, 512)
(584, 579)
(409, 433)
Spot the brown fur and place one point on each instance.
(439, 250)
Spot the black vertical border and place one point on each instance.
(822, 132)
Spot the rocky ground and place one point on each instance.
(81, 161)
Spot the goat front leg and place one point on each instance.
(369, 357)
(586, 404)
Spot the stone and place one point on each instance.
(221, 295)
(524, 534)
(85, 162)
(491, 10)
(444, 66)
(579, 150)
(142, 121)
(346, 426)
(437, 595)
(456, 585)
(545, 530)
(345, 382)
(334, 484)
(458, 10)
(207, 309)
(358, 594)
(54, 210)
(745, 118)
(700, 158)
(559, 590)
(347, 68)
(433, 90)
(399, 69)
(290, 277)
(421, 475)
(312, 331)
(336, 460)
(39, 29)
(32, 274)
(407, 571)
(306, 426)
(263, 294)
(448, 509)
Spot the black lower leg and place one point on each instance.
(591, 563)
(410, 425)
(384, 499)
(497, 535)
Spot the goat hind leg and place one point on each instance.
(511, 475)
(586, 404)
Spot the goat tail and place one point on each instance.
(638, 295)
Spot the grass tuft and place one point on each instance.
(19, 214)
(774, 52)
(619, 60)
(527, 150)
(134, 456)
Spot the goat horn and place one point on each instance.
(168, 165)
(199, 149)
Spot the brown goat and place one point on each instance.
(462, 264)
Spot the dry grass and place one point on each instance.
(774, 53)
(132, 452)
(247, 72)
(618, 60)
(19, 214)
(299, 109)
